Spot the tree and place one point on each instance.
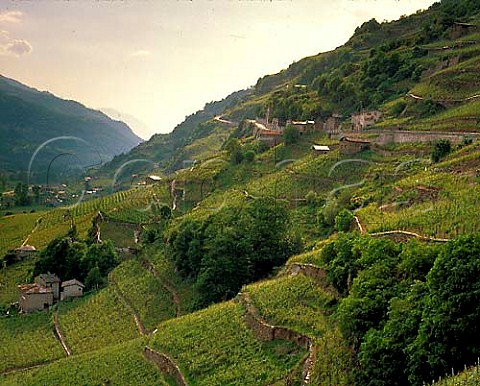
(291, 135)
(21, 194)
(234, 151)
(249, 155)
(441, 149)
(343, 220)
(449, 335)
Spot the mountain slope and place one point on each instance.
(30, 117)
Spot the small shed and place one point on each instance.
(351, 146)
(25, 251)
(320, 149)
(49, 280)
(72, 288)
(34, 297)
(152, 179)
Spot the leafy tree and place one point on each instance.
(449, 334)
(441, 149)
(291, 135)
(21, 194)
(249, 155)
(234, 151)
(94, 279)
(343, 220)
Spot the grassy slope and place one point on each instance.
(215, 347)
(145, 293)
(123, 364)
(96, 321)
(27, 340)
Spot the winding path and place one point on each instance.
(58, 333)
(176, 300)
(141, 328)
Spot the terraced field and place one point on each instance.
(145, 293)
(122, 364)
(295, 302)
(215, 347)
(96, 321)
(27, 340)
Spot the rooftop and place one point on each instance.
(320, 148)
(26, 248)
(72, 282)
(49, 277)
(34, 289)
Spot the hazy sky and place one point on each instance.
(160, 60)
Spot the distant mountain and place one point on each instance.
(139, 127)
(73, 136)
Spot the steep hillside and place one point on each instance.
(412, 70)
(366, 260)
(30, 118)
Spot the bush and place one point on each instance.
(440, 150)
(291, 135)
(343, 220)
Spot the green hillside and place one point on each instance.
(261, 265)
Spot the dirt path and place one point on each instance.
(58, 333)
(176, 300)
(141, 328)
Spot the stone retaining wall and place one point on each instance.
(267, 332)
(166, 365)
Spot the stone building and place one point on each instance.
(364, 119)
(71, 288)
(49, 280)
(351, 146)
(34, 297)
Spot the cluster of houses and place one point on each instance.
(46, 290)
(270, 132)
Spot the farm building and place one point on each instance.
(34, 297)
(351, 146)
(320, 149)
(25, 251)
(71, 288)
(270, 137)
(302, 126)
(152, 179)
(367, 118)
(49, 280)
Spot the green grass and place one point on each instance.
(295, 302)
(96, 321)
(121, 235)
(123, 364)
(187, 295)
(215, 347)
(27, 340)
(145, 293)
(10, 277)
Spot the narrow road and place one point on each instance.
(59, 335)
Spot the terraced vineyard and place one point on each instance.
(215, 347)
(96, 321)
(145, 293)
(27, 340)
(295, 302)
(186, 295)
(122, 364)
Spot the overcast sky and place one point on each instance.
(160, 60)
